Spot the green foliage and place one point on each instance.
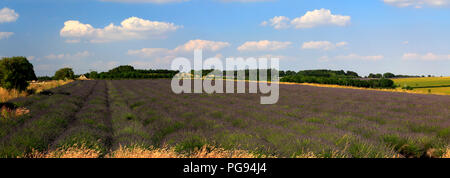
(375, 75)
(128, 72)
(388, 75)
(44, 78)
(15, 72)
(329, 73)
(190, 144)
(373, 83)
(64, 73)
(407, 88)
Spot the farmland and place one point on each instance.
(105, 117)
(433, 85)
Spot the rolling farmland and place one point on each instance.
(106, 116)
(438, 85)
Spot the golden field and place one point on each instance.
(34, 87)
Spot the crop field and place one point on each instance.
(439, 85)
(102, 118)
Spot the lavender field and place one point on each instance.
(106, 115)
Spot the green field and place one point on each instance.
(437, 85)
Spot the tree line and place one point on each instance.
(128, 72)
(15, 72)
(348, 78)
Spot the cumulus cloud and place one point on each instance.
(425, 57)
(263, 45)
(202, 44)
(67, 56)
(187, 47)
(417, 3)
(4, 35)
(278, 22)
(359, 57)
(161, 57)
(131, 28)
(311, 19)
(8, 15)
(320, 17)
(323, 45)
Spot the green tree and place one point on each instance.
(93, 75)
(15, 72)
(64, 73)
(122, 69)
(388, 75)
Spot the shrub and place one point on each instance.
(15, 72)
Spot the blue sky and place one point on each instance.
(371, 36)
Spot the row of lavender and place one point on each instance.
(49, 117)
(326, 121)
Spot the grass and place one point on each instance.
(6, 95)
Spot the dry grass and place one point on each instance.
(140, 152)
(75, 151)
(447, 153)
(41, 86)
(10, 113)
(204, 152)
(6, 95)
(36, 87)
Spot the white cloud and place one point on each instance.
(320, 17)
(4, 35)
(161, 57)
(311, 19)
(187, 47)
(76, 56)
(425, 57)
(417, 3)
(279, 22)
(8, 15)
(263, 45)
(323, 45)
(131, 28)
(202, 44)
(359, 57)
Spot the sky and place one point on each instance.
(409, 37)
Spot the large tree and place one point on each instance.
(15, 72)
(64, 73)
